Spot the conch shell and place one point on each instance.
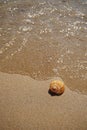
(57, 87)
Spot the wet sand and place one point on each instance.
(45, 39)
(25, 104)
(40, 40)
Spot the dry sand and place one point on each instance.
(26, 105)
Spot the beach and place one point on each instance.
(40, 41)
(26, 104)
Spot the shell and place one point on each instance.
(57, 87)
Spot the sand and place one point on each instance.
(25, 104)
(41, 40)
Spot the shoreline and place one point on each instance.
(26, 104)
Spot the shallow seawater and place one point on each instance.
(45, 39)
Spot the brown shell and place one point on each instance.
(57, 87)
